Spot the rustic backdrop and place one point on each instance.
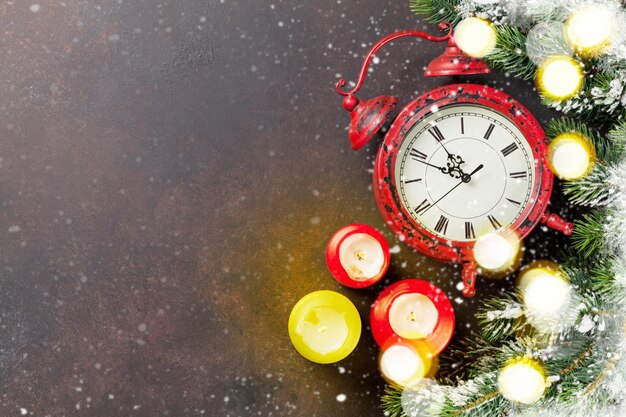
(170, 172)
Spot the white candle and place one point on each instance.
(402, 365)
(362, 256)
(413, 316)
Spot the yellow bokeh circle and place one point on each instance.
(559, 78)
(571, 156)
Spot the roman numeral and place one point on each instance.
(415, 180)
(496, 224)
(469, 231)
(489, 131)
(415, 154)
(436, 133)
(509, 149)
(442, 225)
(520, 174)
(424, 205)
(517, 203)
(462, 127)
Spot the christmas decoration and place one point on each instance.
(556, 346)
(590, 30)
(324, 326)
(546, 295)
(571, 156)
(476, 37)
(522, 381)
(357, 255)
(497, 252)
(559, 78)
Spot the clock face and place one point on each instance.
(463, 171)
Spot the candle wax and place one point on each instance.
(323, 329)
(361, 256)
(413, 316)
(324, 326)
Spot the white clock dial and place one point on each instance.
(434, 167)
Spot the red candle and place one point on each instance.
(413, 310)
(357, 255)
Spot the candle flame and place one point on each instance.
(360, 255)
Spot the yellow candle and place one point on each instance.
(324, 326)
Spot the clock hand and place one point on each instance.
(468, 177)
(465, 179)
(442, 169)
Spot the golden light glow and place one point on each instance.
(559, 77)
(405, 365)
(546, 294)
(571, 156)
(522, 380)
(496, 252)
(476, 37)
(590, 30)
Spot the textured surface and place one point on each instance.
(170, 172)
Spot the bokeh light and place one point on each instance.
(476, 37)
(571, 156)
(559, 77)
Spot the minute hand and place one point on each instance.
(430, 165)
(464, 179)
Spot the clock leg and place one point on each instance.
(557, 223)
(469, 279)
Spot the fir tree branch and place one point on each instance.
(602, 375)
(510, 53)
(588, 235)
(497, 317)
(437, 11)
(592, 190)
(392, 402)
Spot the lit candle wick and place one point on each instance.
(413, 316)
(360, 255)
(322, 328)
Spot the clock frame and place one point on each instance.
(384, 183)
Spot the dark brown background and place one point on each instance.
(170, 172)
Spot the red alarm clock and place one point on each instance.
(458, 162)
